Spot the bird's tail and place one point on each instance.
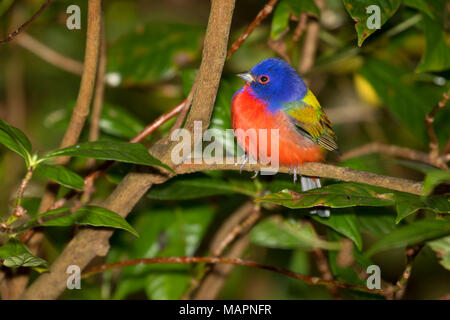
(314, 183)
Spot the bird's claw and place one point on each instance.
(255, 175)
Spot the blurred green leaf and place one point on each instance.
(280, 20)
(411, 234)
(199, 186)
(357, 10)
(119, 122)
(437, 49)
(15, 254)
(61, 175)
(31, 204)
(375, 221)
(110, 150)
(442, 249)
(283, 11)
(154, 52)
(14, 139)
(339, 195)
(89, 215)
(408, 101)
(5, 5)
(281, 233)
(421, 5)
(343, 221)
(407, 204)
(433, 179)
(346, 273)
(164, 233)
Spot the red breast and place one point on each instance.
(248, 112)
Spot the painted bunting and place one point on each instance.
(275, 97)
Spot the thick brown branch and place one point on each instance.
(321, 170)
(239, 262)
(12, 35)
(259, 17)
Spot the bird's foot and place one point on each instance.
(255, 175)
(295, 172)
(244, 158)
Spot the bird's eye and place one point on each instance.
(263, 79)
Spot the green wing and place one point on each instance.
(311, 121)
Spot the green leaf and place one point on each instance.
(374, 221)
(434, 178)
(437, 49)
(110, 150)
(15, 140)
(89, 215)
(442, 249)
(345, 222)
(164, 233)
(199, 186)
(339, 195)
(61, 175)
(280, 20)
(419, 5)
(411, 234)
(283, 11)
(154, 52)
(281, 233)
(15, 254)
(407, 204)
(409, 101)
(357, 10)
(119, 122)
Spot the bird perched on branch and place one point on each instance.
(275, 97)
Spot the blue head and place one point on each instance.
(275, 82)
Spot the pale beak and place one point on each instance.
(246, 76)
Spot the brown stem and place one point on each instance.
(394, 151)
(12, 35)
(400, 287)
(259, 17)
(89, 243)
(81, 108)
(234, 261)
(429, 118)
(301, 26)
(322, 170)
(18, 210)
(49, 55)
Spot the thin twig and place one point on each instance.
(429, 118)
(394, 151)
(400, 287)
(97, 105)
(12, 35)
(49, 55)
(259, 17)
(234, 261)
(301, 26)
(19, 210)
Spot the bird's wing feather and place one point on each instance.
(311, 121)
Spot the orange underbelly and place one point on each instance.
(252, 117)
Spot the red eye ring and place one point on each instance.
(263, 79)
